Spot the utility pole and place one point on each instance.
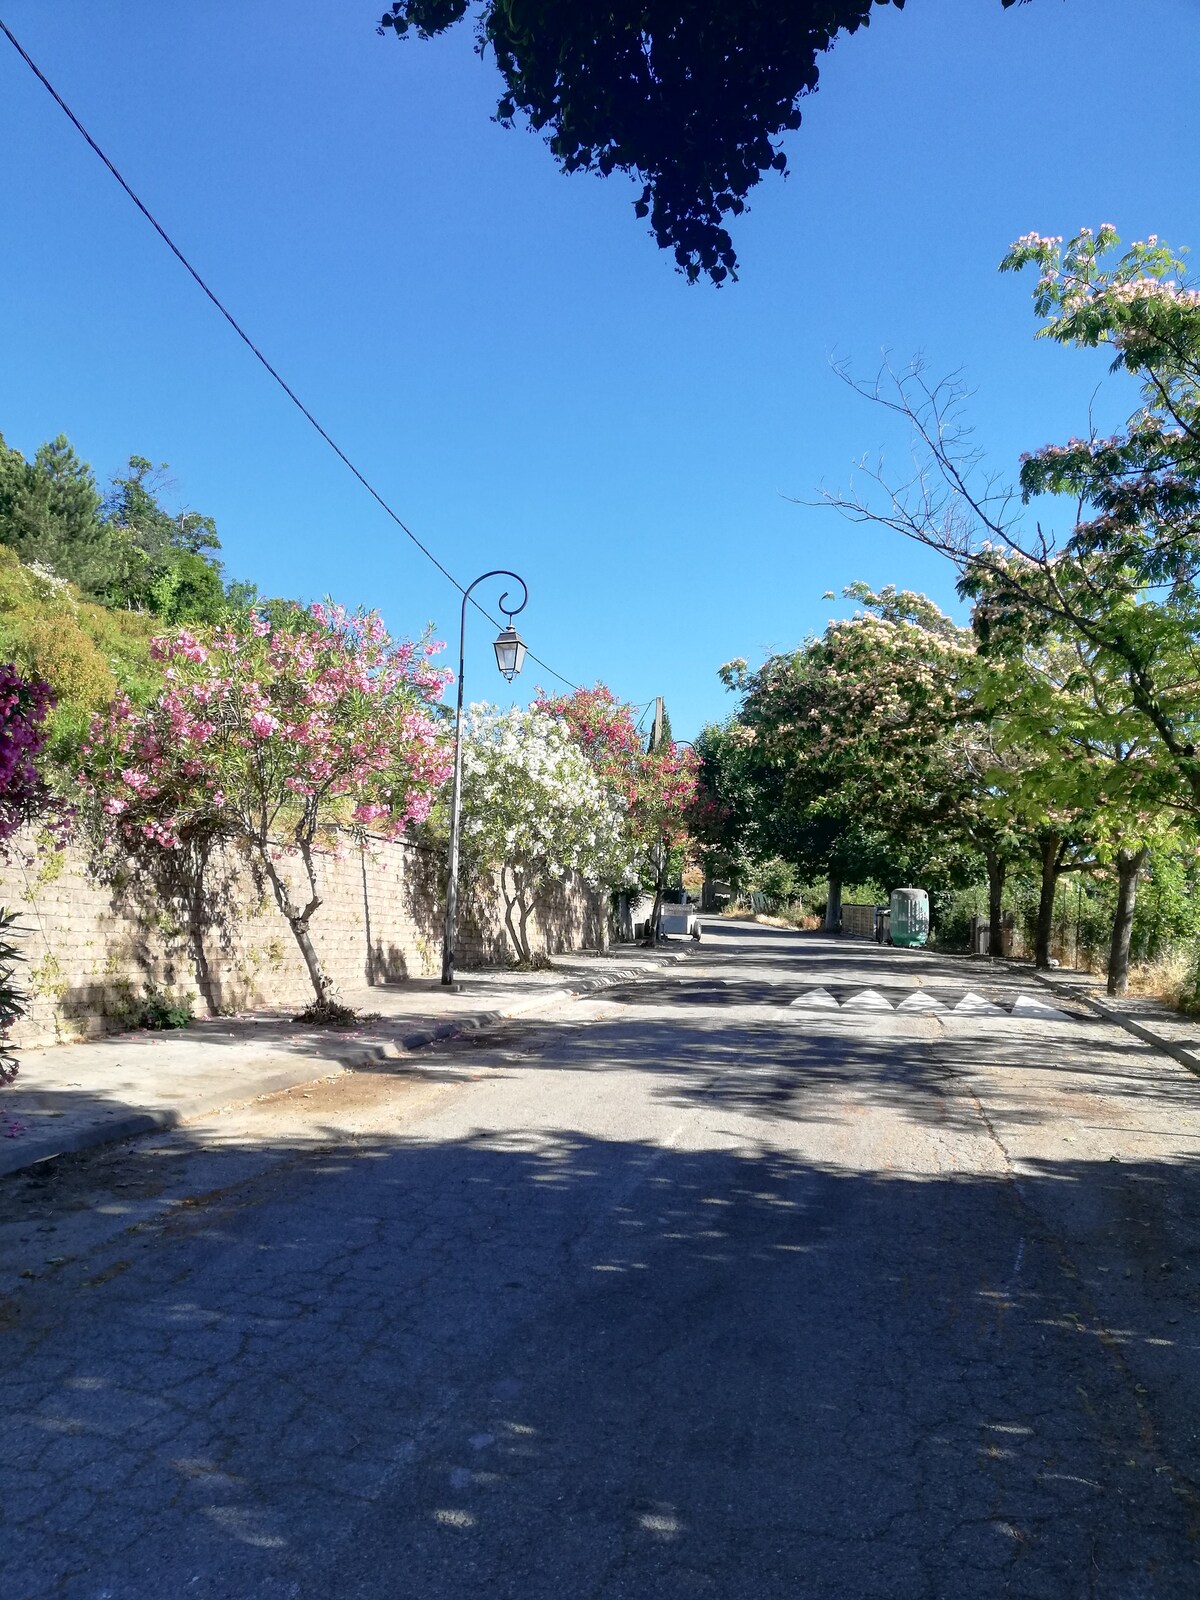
(656, 736)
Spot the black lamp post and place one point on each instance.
(510, 658)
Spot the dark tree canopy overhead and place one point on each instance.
(689, 96)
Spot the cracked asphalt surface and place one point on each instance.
(673, 1293)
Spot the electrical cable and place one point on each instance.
(249, 343)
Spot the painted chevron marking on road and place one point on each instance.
(974, 1005)
(867, 1000)
(1028, 1005)
(921, 1002)
(816, 999)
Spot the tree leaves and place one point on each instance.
(688, 96)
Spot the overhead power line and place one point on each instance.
(249, 342)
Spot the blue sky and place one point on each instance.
(504, 351)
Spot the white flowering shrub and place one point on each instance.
(534, 807)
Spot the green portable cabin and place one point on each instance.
(909, 916)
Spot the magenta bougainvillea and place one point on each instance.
(24, 705)
(24, 795)
(281, 733)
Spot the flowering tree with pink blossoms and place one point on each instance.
(277, 734)
(657, 787)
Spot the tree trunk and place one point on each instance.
(1051, 866)
(997, 870)
(362, 864)
(526, 912)
(656, 915)
(510, 909)
(323, 985)
(196, 907)
(833, 906)
(1129, 868)
(660, 879)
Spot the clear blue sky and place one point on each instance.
(506, 353)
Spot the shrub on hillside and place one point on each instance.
(85, 652)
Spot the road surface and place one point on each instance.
(730, 1284)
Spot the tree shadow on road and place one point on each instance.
(775, 1063)
(545, 1363)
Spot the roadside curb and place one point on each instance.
(367, 1055)
(19, 1154)
(1186, 1058)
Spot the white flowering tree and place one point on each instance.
(534, 808)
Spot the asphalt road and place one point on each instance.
(690, 1291)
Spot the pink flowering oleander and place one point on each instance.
(658, 806)
(276, 733)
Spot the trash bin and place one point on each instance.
(908, 923)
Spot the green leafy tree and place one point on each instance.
(1123, 580)
(1089, 781)
(855, 746)
(1120, 587)
(125, 548)
(726, 813)
(161, 561)
(688, 97)
(87, 653)
(776, 879)
(50, 512)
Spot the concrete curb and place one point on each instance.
(22, 1153)
(1186, 1058)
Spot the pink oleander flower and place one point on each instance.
(275, 733)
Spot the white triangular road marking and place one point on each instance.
(1029, 1005)
(920, 1002)
(867, 1000)
(821, 999)
(974, 1005)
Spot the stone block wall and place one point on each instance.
(93, 940)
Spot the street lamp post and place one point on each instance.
(510, 657)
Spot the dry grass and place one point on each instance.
(1170, 978)
(769, 920)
